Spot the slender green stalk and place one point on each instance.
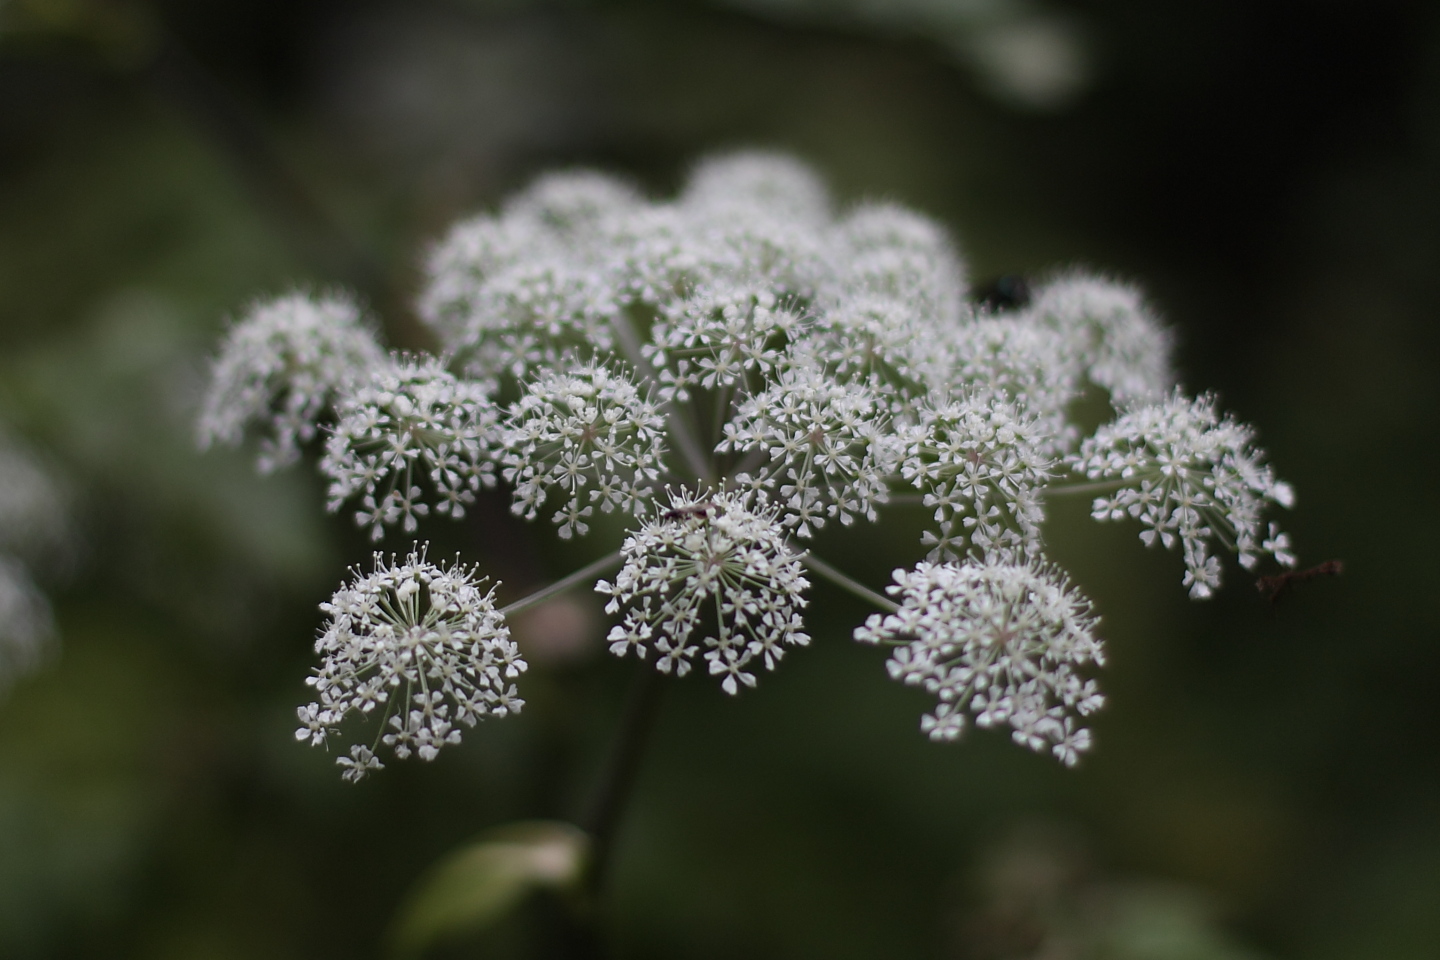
(846, 583)
(1080, 489)
(563, 584)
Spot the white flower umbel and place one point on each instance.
(886, 252)
(1111, 335)
(979, 465)
(1026, 363)
(281, 368)
(801, 363)
(756, 218)
(412, 419)
(1001, 642)
(715, 337)
(590, 436)
(827, 443)
(892, 307)
(1191, 478)
(419, 644)
(718, 565)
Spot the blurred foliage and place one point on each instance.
(1267, 780)
(480, 884)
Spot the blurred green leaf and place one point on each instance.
(481, 883)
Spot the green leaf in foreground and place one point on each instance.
(482, 882)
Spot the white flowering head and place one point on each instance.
(577, 204)
(584, 438)
(890, 254)
(1192, 479)
(1000, 642)
(534, 285)
(823, 447)
(1111, 334)
(751, 182)
(1023, 361)
(280, 369)
(721, 339)
(978, 463)
(411, 422)
(716, 565)
(421, 646)
(803, 365)
(756, 218)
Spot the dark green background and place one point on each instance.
(1266, 781)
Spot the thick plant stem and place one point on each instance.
(578, 927)
(617, 779)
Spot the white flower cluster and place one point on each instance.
(411, 416)
(590, 427)
(719, 565)
(780, 364)
(999, 640)
(425, 645)
(1113, 335)
(33, 522)
(280, 368)
(827, 443)
(981, 467)
(1190, 477)
(719, 337)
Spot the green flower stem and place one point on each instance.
(846, 583)
(1080, 489)
(617, 779)
(563, 584)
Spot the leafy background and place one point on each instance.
(1267, 780)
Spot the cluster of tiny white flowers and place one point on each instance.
(588, 428)
(1111, 333)
(280, 368)
(1021, 360)
(827, 443)
(1002, 641)
(713, 338)
(33, 522)
(1190, 477)
(890, 255)
(979, 465)
(422, 643)
(797, 363)
(891, 311)
(412, 417)
(721, 555)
